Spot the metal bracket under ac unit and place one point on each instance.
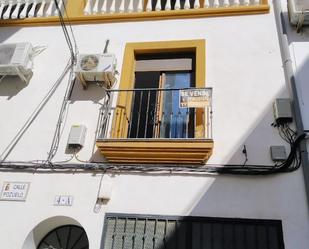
(298, 13)
(301, 19)
(24, 77)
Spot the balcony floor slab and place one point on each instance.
(161, 151)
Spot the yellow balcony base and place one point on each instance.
(156, 151)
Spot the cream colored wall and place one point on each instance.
(243, 65)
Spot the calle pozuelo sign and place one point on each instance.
(14, 191)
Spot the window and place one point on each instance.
(140, 231)
(68, 236)
(147, 124)
(156, 112)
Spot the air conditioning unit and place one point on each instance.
(98, 68)
(298, 12)
(16, 59)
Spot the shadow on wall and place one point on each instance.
(302, 76)
(255, 197)
(257, 140)
(236, 197)
(97, 157)
(11, 86)
(94, 93)
(7, 32)
(261, 197)
(300, 46)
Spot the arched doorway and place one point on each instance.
(65, 237)
(57, 232)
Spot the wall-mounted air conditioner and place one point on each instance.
(299, 12)
(98, 68)
(16, 59)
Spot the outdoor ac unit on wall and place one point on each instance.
(299, 12)
(16, 59)
(96, 68)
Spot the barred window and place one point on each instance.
(145, 232)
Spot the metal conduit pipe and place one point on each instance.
(290, 78)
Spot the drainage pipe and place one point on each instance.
(290, 78)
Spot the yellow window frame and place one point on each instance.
(120, 121)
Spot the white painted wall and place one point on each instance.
(243, 65)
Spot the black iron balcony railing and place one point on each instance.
(151, 113)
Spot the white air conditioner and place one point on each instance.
(15, 59)
(299, 12)
(96, 68)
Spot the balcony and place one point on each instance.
(156, 126)
(44, 12)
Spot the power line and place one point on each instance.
(64, 106)
(288, 165)
(73, 50)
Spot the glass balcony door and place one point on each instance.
(156, 112)
(175, 122)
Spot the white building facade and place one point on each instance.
(211, 176)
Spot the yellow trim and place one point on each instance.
(75, 13)
(132, 49)
(119, 148)
(75, 7)
(184, 151)
(127, 77)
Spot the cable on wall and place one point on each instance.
(57, 134)
(73, 50)
(64, 107)
(288, 165)
(70, 26)
(34, 114)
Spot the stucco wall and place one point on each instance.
(243, 65)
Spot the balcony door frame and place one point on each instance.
(120, 124)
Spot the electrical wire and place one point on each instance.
(80, 160)
(55, 142)
(64, 106)
(244, 151)
(97, 206)
(70, 25)
(292, 163)
(58, 132)
(73, 50)
(33, 115)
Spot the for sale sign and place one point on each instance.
(194, 98)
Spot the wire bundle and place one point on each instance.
(292, 163)
(73, 50)
(64, 106)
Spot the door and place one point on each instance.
(155, 106)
